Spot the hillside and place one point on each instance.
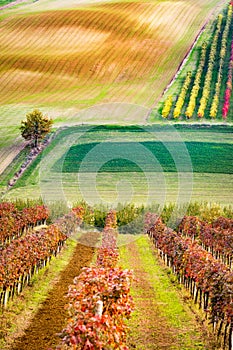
(64, 56)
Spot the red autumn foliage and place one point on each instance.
(216, 237)
(103, 285)
(194, 264)
(228, 91)
(13, 222)
(23, 255)
(79, 213)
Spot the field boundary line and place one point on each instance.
(11, 4)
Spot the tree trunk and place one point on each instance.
(36, 141)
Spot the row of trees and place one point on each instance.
(196, 97)
(228, 91)
(197, 83)
(223, 51)
(209, 74)
(181, 98)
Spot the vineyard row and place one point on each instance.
(208, 280)
(216, 238)
(99, 299)
(23, 257)
(14, 223)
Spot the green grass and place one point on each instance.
(14, 166)
(113, 188)
(5, 2)
(168, 300)
(162, 285)
(205, 157)
(106, 179)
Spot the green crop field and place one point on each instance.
(105, 63)
(113, 164)
(5, 2)
(205, 157)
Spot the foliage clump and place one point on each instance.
(35, 127)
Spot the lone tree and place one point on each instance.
(36, 127)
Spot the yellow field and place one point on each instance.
(65, 56)
(104, 52)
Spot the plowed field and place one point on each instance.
(104, 52)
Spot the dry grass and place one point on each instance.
(57, 57)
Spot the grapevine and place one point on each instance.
(99, 299)
(13, 223)
(208, 279)
(24, 256)
(167, 107)
(228, 90)
(196, 86)
(216, 238)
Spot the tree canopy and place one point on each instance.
(35, 127)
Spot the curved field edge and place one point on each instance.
(119, 55)
(31, 313)
(164, 316)
(5, 4)
(55, 175)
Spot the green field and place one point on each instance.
(5, 2)
(107, 63)
(205, 157)
(112, 164)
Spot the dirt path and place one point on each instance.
(8, 154)
(161, 320)
(50, 318)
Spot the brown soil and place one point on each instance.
(51, 317)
